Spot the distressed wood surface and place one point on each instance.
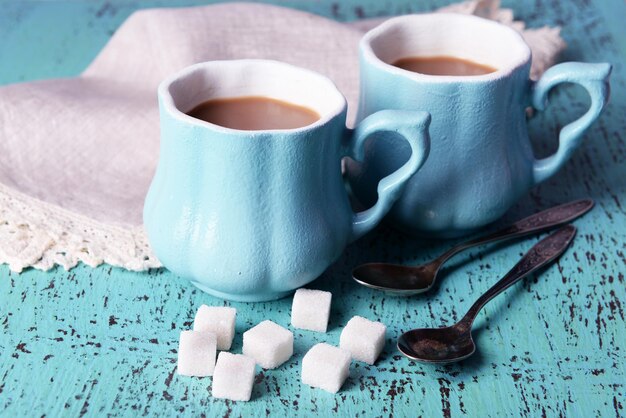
(103, 341)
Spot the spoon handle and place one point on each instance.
(540, 221)
(541, 254)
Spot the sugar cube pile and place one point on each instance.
(310, 309)
(269, 344)
(219, 320)
(364, 339)
(233, 377)
(326, 367)
(196, 353)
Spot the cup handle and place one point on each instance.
(595, 79)
(413, 127)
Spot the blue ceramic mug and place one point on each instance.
(481, 161)
(253, 215)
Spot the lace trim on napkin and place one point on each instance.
(41, 235)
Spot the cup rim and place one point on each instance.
(167, 100)
(380, 30)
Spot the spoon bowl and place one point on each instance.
(395, 278)
(437, 345)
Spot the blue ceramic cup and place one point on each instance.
(253, 215)
(481, 161)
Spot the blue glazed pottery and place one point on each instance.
(253, 215)
(481, 161)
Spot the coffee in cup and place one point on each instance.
(254, 113)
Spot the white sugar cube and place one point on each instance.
(196, 353)
(311, 309)
(326, 367)
(233, 377)
(363, 338)
(269, 344)
(219, 320)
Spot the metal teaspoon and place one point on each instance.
(450, 344)
(408, 280)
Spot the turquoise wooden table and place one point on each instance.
(103, 341)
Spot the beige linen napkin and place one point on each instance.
(77, 155)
